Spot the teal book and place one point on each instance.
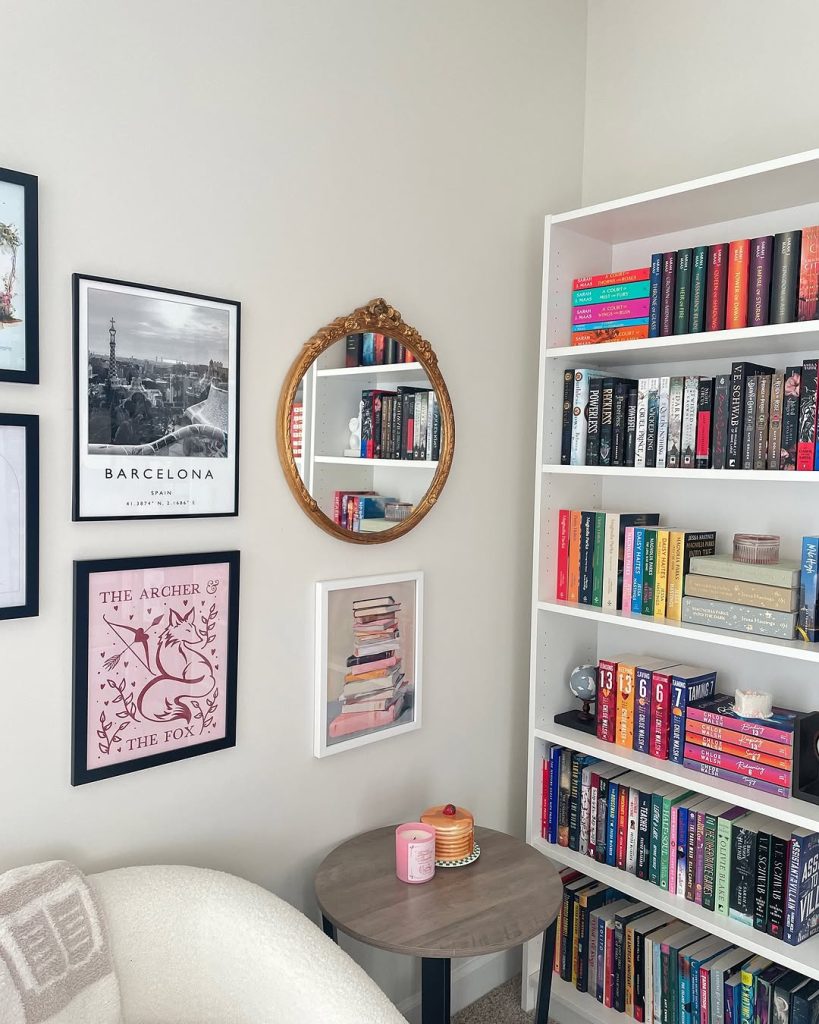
(598, 558)
(669, 801)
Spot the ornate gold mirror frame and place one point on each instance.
(379, 317)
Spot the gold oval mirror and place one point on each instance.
(365, 426)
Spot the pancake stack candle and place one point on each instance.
(454, 831)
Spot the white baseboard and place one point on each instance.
(471, 979)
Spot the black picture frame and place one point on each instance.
(81, 400)
(31, 373)
(81, 774)
(31, 605)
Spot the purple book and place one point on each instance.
(759, 281)
(699, 864)
(740, 780)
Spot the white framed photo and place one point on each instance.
(19, 305)
(19, 516)
(156, 405)
(369, 636)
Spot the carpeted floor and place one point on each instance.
(500, 1006)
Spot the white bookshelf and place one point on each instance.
(332, 393)
(763, 199)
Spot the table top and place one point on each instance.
(509, 895)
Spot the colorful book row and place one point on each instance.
(400, 424)
(369, 349)
(724, 858)
(656, 969)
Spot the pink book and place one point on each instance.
(738, 765)
(626, 309)
(749, 726)
(562, 588)
(628, 566)
(358, 721)
(372, 666)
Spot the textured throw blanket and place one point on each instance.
(55, 964)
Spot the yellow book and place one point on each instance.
(624, 733)
(661, 575)
(674, 585)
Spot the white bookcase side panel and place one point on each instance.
(569, 255)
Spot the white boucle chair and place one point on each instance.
(192, 946)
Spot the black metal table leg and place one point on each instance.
(435, 990)
(544, 991)
(329, 928)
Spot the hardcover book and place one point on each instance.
(688, 684)
(631, 426)
(655, 295)
(802, 907)
(783, 574)
(580, 415)
(759, 286)
(740, 372)
(807, 625)
(663, 398)
(652, 422)
(775, 424)
(699, 286)
(748, 421)
(667, 293)
(806, 437)
(675, 413)
(689, 423)
(722, 391)
(808, 300)
(736, 310)
(792, 390)
(785, 276)
(716, 287)
(763, 405)
(758, 595)
(705, 403)
(722, 615)
(682, 291)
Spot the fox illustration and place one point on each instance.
(183, 672)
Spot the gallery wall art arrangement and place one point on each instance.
(156, 436)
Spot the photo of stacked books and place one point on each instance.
(400, 424)
(370, 349)
(654, 968)
(702, 850)
(753, 752)
(753, 417)
(749, 282)
(362, 511)
(642, 701)
(758, 599)
(375, 687)
(610, 307)
(625, 561)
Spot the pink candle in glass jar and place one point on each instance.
(414, 852)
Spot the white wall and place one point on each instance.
(676, 91)
(302, 157)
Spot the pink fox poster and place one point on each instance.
(156, 652)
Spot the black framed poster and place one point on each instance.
(156, 413)
(19, 515)
(19, 304)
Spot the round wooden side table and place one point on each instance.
(509, 895)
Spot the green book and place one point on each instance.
(649, 571)
(722, 869)
(682, 292)
(598, 558)
(713, 816)
(669, 801)
(699, 277)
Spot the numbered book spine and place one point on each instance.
(675, 414)
(739, 765)
(624, 736)
(655, 295)
(719, 437)
(689, 422)
(642, 710)
(759, 285)
(660, 714)
(785, 276)
(699, 286)
(716, 287)
(663, 397)
(736, 310)
(775, 422)
(806, 443)
(667, 293)
(685, 689)
(790, 417)
(606, 700)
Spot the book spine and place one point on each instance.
(673, 848)
(807, 306)
(601, 840)
(574, 802)
(642, 710)
(739, 780)
(631, 427)
(661, 574)
(601, 335)
(611, 560)
(611, 823)
(736, 410)
(733, 742)
(807, 622)
(790, 417)
(742, 875)
(722, 391)
(716, 287)
(603, 312)
(682, 850)
(699, 857)
(618, 430)
(675, 412)
(575, 520)
(793, 916)
(643, 835)
(616, 277)
(763, 412)
(608, 325)
(775, 425)
(654, 839)
(544, 800)
(691, 857)
(660, 714)
(649, 572)
(699, 289)
(665, 843)
(668, 290)
(778, 876)
(749, 421)
(785, 764)
(680, 697)
(642, 423)
(745, 727)
(705, 404)
(587, 523)
(625, 705)
(663, 399)
(631, 830)
(352, 354)
(655, 295)
(785, 276)
(674, 586)
(563, 797)
(738, 765)
(606, 422)
(759, 283)
(611, 293)
(637, 571)
(628, 567)
(606, 700)
(689, 423)
(806, 443)
(723, 865)
(760, 621)
(760, 903)
(652, 422)
(736, 310)
(682, 291)
(597, 558)
(554, 792)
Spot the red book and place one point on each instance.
(736, 306)
(563, 522)
(660, 714)
(617, 277)
(714, 736)
(606, 700)
(808, 304)
(622, 827)
(715, 288)
(738, 765)
(378, 348)
(544, 808)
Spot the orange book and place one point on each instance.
(736, 306)
(573, 590)
(624, 730)
(603, 334)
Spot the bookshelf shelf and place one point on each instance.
(682, 475)
(803, 958)
(798, 813)
(341, 460)
(763, 199)
(387, 370)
